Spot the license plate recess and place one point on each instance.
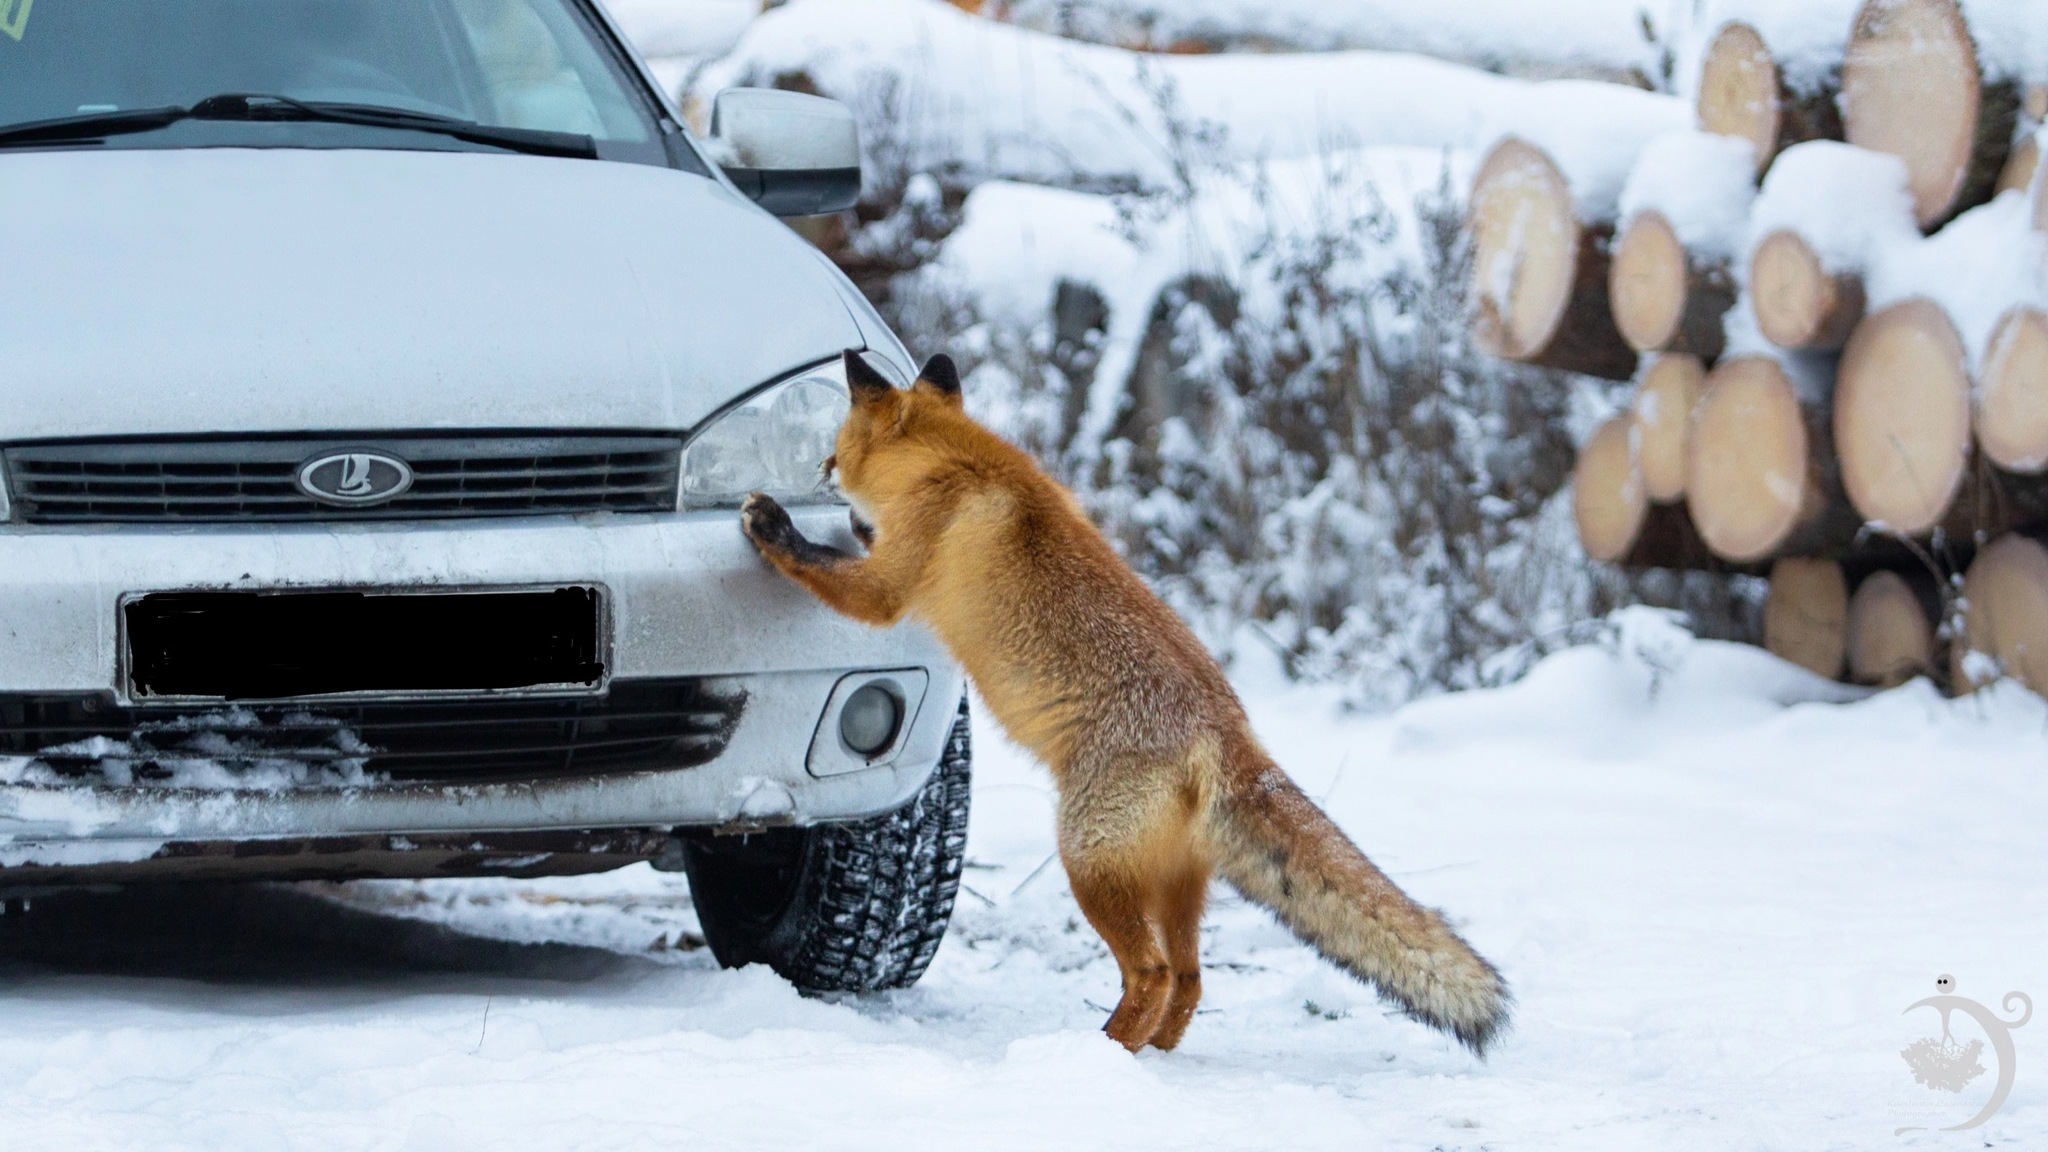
(273, 645)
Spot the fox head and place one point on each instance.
(886, 419)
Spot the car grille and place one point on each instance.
(638, 725)
(256, 480)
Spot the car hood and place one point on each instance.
(234, 290)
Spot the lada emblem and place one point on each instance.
(354, 479)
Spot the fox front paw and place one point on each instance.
(768, 525)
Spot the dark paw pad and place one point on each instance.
(767, 523)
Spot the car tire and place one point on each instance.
(854, 907)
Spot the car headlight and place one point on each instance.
(776, 441)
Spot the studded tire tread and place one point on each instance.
(868, 902)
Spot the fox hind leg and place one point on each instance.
(1115, 904)
(1179, 903)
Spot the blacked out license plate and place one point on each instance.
(275, 645)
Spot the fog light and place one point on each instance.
(869, 720)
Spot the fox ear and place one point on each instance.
(866, 384)
(941, 377)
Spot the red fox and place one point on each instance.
(1160, 779)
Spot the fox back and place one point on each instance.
(1062, 640)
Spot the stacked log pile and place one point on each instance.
(1846, 387)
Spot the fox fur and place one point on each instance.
(1161, 782)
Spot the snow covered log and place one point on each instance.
(1825, 215)
(1598, 39)
(2005, 616)
(1890, 630)
(1539, 273)
(1913, 85)
(1661, 413)
(2011, 417)
(1799, 303)
(1902, 416)
(1686, 208)
(1744, 93)
(1806, 614)
(968, 100)
(1664, 296)
(1760, 467)
(1608, 500)
(1910, 393)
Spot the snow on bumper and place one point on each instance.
(688, 597)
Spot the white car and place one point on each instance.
(378, 383)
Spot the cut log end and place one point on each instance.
(1662, 411)
(2005, 616)
(1525, 242)
(1739, 90)
(1664, 297)
(1647, 282)
(1539, 277)
(2041, 199)
(1806, 614)
(1743, 93)
(1902, 416)
(2019, 168)
(1798, 302)
(1890, 637)
(2012, 400)
(1608, 501)
(1747, 454)
(1911, 86)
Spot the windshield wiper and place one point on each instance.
(92, 126)
(255, 107)
(251, 106)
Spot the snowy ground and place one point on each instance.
(1715, 900)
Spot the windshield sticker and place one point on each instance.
(14, 17)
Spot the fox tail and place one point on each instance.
(1278, 849)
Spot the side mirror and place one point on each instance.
(794, 155)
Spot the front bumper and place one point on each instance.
(687, 597)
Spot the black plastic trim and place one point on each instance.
(799, 191)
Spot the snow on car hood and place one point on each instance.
(234, 290)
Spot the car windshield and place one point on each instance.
(533, 65)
